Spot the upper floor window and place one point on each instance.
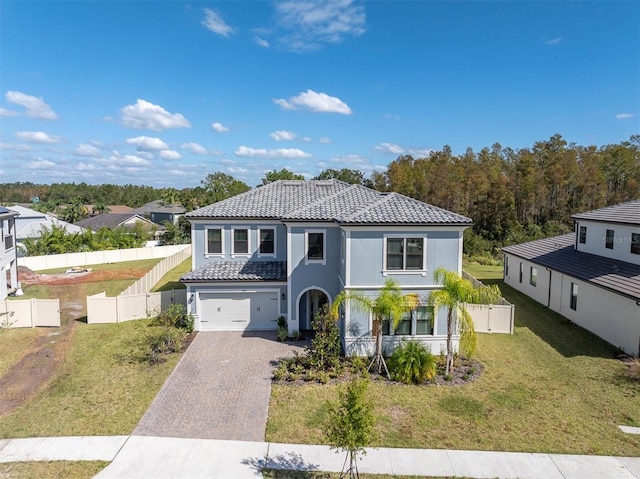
(241, 241)
(404, 254)
(583, 234)
(533, 277)
(315, 246)
(635, 243)
(214, 241)
(609, 240)
(267, 241)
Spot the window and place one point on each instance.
(533, 276)
(506, 266)
(267, 241)
(404, 254)
(417, 322)
(241, 241)
(583, 234)
(214, 241)
(574, 296)
(521, 271)
(315, 246)
(635, 243)
(609, 240)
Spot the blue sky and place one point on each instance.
(162, 93)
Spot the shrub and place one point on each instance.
(175, 317)
(325, 349)
(283, 333)
(412, 363)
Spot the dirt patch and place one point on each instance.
(36, 367)
(26, 276)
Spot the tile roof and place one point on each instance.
(158, 206)
(238, 271)
(327, 200)
(109, 220)
(627, 213)
(558, 253)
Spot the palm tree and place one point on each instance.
(390, 305)
(455, 292)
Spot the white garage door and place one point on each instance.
(238, 311)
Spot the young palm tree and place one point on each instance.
(455, 292)
(390, 305)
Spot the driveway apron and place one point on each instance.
(219, 390)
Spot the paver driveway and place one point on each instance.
(219, 390)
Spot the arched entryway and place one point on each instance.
(309, 302)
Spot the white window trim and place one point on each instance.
(322, 261)
(421, 272)
(413, 328)
(206, 243)
(233, 243)
(275, 243)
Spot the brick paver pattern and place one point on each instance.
(219, 390)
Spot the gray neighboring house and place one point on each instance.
(158, 212)
(591, 276)
(121, 220)
(30, 223)
(289, 247)
(8, 253)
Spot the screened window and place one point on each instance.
(635, 243)
(405, 254)
(424, 320)
(533, 278)
(241, 241)
(583, 234)
(609, 239)
(521, 271)
(214, 241)
(574, 296)
(414, 323)
(315, 246)
(404, 326)
(267, 241)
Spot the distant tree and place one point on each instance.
(176, 233)
(283, 174)
(100, 208)
(170, 196)
(73, 211)
(353, 177)
(220, 186)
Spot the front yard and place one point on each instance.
(550, 387)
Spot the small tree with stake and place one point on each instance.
(351, 422)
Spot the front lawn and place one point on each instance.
(550, 387)
(52, 469)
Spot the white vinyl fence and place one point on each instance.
(491, 318)
(68, 260)
(136, 302)
(29, 313)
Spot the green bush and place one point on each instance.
(175, 317)
(412, 363)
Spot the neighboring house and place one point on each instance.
(110, 209)
(30, 223)
(158, 212)
(289, 247)
(591, 277)
(113, 221)
(8, 253)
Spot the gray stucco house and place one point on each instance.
(289, 247)
(591, 276)
(8, 252)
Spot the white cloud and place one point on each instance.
(349, 159)
(87, 150)
(5, 112)
(314, 101)
(14, 147)
(38, 137)
(170, 155)
(227, 161)
(554, 41)
(146, 115)
(311, 24)
(212, 21)
(194, 148)
(391, 116)
(36, 107)
(116, 159)
(85, 167)
(289, 153)
(261, 42)
(283, 135)
(219, 127)
(390, 148)
(625, 116)
(237, 170)
(306, 139)
(420, 152)
(40, 164)
(147, 143)
(324, 140)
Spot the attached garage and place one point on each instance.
(238, 311)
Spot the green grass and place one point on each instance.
(550, 387)
(52, 469)
(13, 344)
(101, 389)
(481, 272)
(283, 474)
(170, 280)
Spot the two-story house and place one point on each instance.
(8, 252)
(591, 276)
(289, 247)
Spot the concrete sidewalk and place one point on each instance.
(160, 457)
